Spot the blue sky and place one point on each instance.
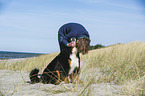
(32, 25)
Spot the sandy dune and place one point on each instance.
(16, 83)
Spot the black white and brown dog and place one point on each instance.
(64, 67)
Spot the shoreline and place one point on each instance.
(14, 60)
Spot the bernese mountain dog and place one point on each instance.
(64, 67)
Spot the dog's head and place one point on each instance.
(82, 44)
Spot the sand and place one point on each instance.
(16, 83)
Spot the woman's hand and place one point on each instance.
(72, 44)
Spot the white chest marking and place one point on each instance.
(74, 60)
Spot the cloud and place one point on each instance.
(125, 4)
(92, 1)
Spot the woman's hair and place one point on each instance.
(83, 45)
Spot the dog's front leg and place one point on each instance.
(75, 76)
(66, 80)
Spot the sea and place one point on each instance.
(16, 55)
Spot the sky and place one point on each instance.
(32, 25)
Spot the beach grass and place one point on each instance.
(120, 64)
(27, 64)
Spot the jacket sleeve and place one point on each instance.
(67, 37)
(64, 41)
(63, 38)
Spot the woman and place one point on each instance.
(74, 30)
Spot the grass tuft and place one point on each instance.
(117, 64)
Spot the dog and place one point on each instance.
(64, 67)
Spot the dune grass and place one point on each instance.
(29, 63)
(120, 64)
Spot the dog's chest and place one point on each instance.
(74, 60)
